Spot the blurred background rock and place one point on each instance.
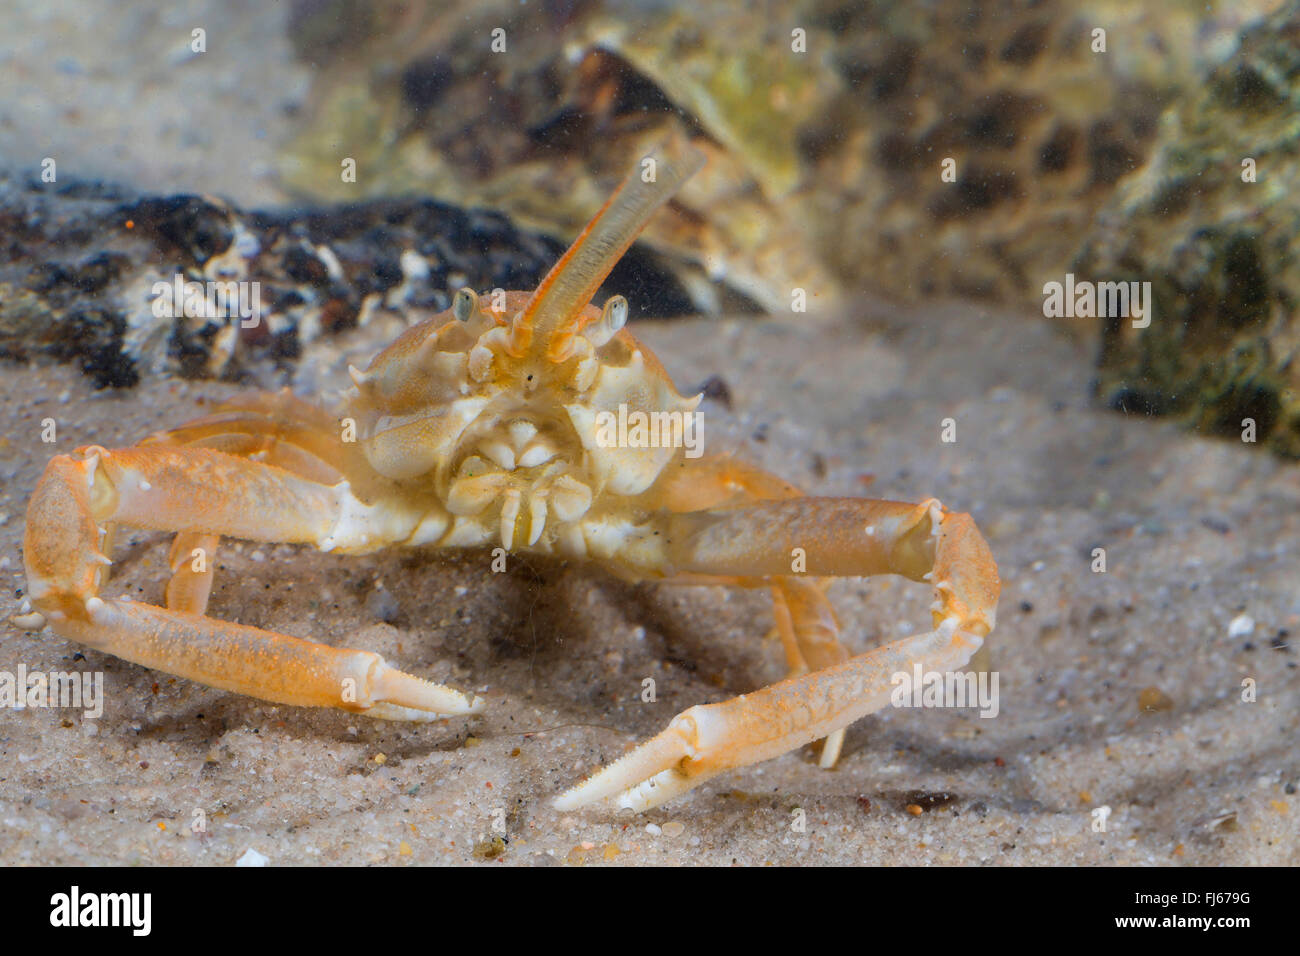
(827, 123)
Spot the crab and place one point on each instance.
(486, 427)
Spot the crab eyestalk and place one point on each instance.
(554, 313)
(464, 305)
(612, 318)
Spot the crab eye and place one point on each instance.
(612, 318)
(464, 305)
(614, 315)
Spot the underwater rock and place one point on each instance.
(826, 123)
(539, 112)
(1212, 221)
(1040, 124)
(109, 279)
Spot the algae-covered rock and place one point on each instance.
(1041, 107)
(1212, 221)
(106, 278)
(540, 115)
(826, 123)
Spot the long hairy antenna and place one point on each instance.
(572, 281)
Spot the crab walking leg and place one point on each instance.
(840, 536)
(202, 492)
(708, 739)
(808, 626)
(263, 664)
(191, 561)
(804, 619)
(106, 545)
(274, 429)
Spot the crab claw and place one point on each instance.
(397, 695)
(663, 767)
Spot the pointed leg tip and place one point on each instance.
(385, 711)
(447, 707)
(595, 789)
(831, 747)
(567, 801)
(396, 691)
(635, 796)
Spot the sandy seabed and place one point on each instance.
(1121, 689)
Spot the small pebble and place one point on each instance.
(673, 828)
(1153, 699)
(251, 858)
(1241, 625)
(653, 829)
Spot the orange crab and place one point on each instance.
(488, 426)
